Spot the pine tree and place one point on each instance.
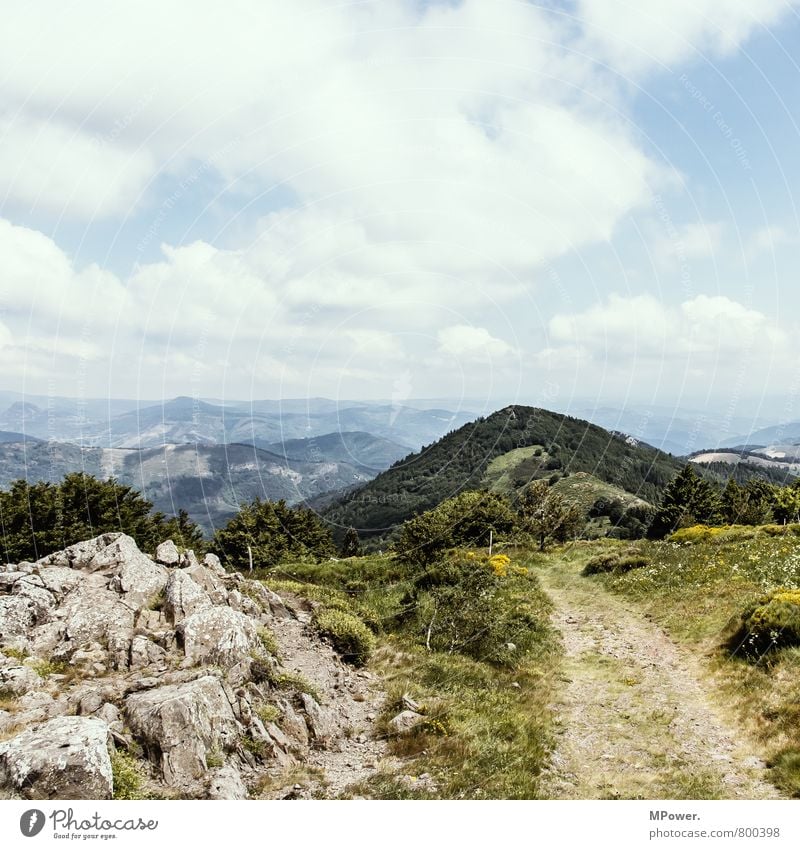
(688, 500)
(351, 546)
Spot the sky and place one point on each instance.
(502, 201)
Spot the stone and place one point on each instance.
(410, 704)
(94, 614)
(81, 556)
(212, 563)
(210, 582)
(44, 602)
(188, 559)
(217, 635)
(320, 723)
(90, 703)
(167, 553)
(64, 758)
(8, 579)
(184, 597)
(59, 580)
(109, 714)
(17, 617)
(16, 677)
(144, 652)
(138, 578)
(405, 722)
(181, 723)
(226, 783)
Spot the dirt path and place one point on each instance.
(351, 700)
(636, 719)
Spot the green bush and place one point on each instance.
(349, 635)
(127, 775)
(615, 561)
(273, 533)
(773, 622)
(463, 604)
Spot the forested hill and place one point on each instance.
(559, 444)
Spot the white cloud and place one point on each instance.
(637, 35)
(641, 326)
(695, 241)
(465, 342)
(430, 160)
(48, 165)
(766, 240)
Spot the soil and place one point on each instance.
(637, 718)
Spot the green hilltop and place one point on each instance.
(504, 452)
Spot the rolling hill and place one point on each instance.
(504, 452)
(357, 448)
(190, 420)
(208, 481)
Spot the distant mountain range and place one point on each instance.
(188, 420)
(208, 481)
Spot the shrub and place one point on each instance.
(466, 604)
(466, 519)
(268, 641)
(273, 532)
(615, 561)
(773, 622)
(127, 775)
(349, 635)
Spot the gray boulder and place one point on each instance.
(184, 597)
(94, 614)
(181, 723)
(405, 722)
(44, 602)
(59, 580)
(138, 578)
(167, 553)
(17, 678)
(320, 722)
(226, 783)
(210, 582)
(17, 617)
(81, 555)
(144, 653)
(212, 562)
(218, 635)
(65, 758)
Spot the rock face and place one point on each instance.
(65, 758)
(218, 635)
(182, 724)
(103, 647)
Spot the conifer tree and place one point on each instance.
(688, 500)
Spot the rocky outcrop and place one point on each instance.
(65, 758)
(182, 724)
(218, 635)
(168, 658)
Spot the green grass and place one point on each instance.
(503, 472)
(584, 490)
(487, 731)
(15, 653)
(697, 586)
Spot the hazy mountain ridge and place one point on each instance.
(189, 420)
(208, 481)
